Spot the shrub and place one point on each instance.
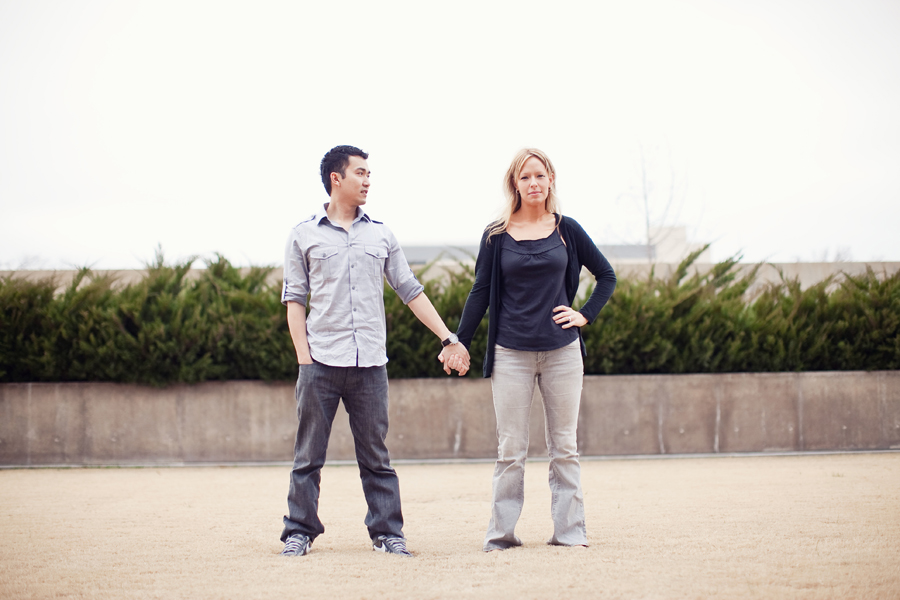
(179, 326)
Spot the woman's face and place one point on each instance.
(534, 183)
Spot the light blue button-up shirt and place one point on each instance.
(343, 273)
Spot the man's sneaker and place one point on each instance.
(296, 545)
(390, 545)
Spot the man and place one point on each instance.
(340, 258)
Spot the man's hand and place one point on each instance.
(455, 356)
(296, 318)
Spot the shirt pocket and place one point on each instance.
(323, 263)
(375, 257)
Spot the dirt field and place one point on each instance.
(813, 526)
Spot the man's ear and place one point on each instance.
(335, 179)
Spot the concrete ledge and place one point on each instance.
(249, 421)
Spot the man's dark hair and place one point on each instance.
(336, 161)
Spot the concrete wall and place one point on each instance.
(114, 424)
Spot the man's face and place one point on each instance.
(354, 186)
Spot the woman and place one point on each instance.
(527, 274)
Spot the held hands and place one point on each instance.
(455, 356)
(568, 317)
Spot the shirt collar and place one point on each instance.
(323, 214)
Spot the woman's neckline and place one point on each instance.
(532, 239)
(555, 228)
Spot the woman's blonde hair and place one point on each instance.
(513, 201)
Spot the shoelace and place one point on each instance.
(294, 544)
(397, 545)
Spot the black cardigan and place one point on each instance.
(486, 290)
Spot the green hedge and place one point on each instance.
(164, 329)
(707, 324)
(223, 325)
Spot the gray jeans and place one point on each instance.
(364, 391)
(560, 375)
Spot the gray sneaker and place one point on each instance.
(390, 545)
(296, 545)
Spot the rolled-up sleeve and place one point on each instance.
(296, 273)
(398, 273)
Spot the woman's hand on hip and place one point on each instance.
(568, 317)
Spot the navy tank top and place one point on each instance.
(532, 284)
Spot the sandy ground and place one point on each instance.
(812, 526)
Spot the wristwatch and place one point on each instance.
(450, 340)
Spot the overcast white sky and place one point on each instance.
(199, 125)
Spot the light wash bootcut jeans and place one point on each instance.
(560, 375)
